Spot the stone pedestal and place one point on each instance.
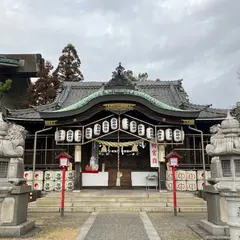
(217, 213)
(233, 201)
(13, 222)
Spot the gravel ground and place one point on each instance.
(175, 228)
(54, 227)
(117, 226)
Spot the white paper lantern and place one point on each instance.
(88, 133)
(78, 135)
(183, 135)
(125, 124)
(61, 135)
(114, 123)
(177, 135)
(133, 127)
(169, 134)
(97, 129)
(150, 133)
(105, 126)
(56, 136)
(141, 130)
(160, 135)
(69, 135)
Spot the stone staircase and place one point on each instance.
(118, 200)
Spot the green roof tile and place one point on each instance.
(87, 99)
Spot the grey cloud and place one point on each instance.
(201, 46)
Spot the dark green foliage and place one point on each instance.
(69, 65)
(44, 90)
(5, 86)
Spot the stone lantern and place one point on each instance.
(225, 147)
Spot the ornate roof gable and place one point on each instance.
(119, 80)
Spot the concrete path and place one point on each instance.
(118, 226)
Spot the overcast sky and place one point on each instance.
(197, 40)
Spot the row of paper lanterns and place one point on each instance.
(176, 135)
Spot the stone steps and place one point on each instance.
(117, 209)
(120, 202)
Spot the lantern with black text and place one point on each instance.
(160, 135)
(61, 135)
(105, 126)
(141, 130)
(177, 135)
(78, 135)
(88, 133)
(133, 127)
(97, 129)
(150, 133)
(69, 135)
(114, 123)
(125, 124)
(56, 136)
(169, 134)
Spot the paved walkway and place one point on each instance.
(118, 226)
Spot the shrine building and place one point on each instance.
(118, 132)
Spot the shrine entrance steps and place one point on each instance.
(118, 201)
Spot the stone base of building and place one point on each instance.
(17, 231)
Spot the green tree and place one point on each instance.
(44, 90)
(132, 77)
(4, 87)
(68, 68)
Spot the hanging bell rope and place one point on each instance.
(118, 144)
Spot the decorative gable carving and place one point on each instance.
(119, 80)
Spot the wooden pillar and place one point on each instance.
(78, 170)
(162, 165)
(188, 153)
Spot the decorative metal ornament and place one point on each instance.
(133, 126)
(105, 127)
(78, 135)
(97, 129)
(88, 133)
(69, 135)
(141, 130)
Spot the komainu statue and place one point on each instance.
(12, 139)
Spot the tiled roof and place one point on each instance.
(207, 112)
(168, 92)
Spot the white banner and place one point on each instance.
(154, 155)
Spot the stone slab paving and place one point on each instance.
(176, 228)
(120, 226)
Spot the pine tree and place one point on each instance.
(44, 90)
(69, 65)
